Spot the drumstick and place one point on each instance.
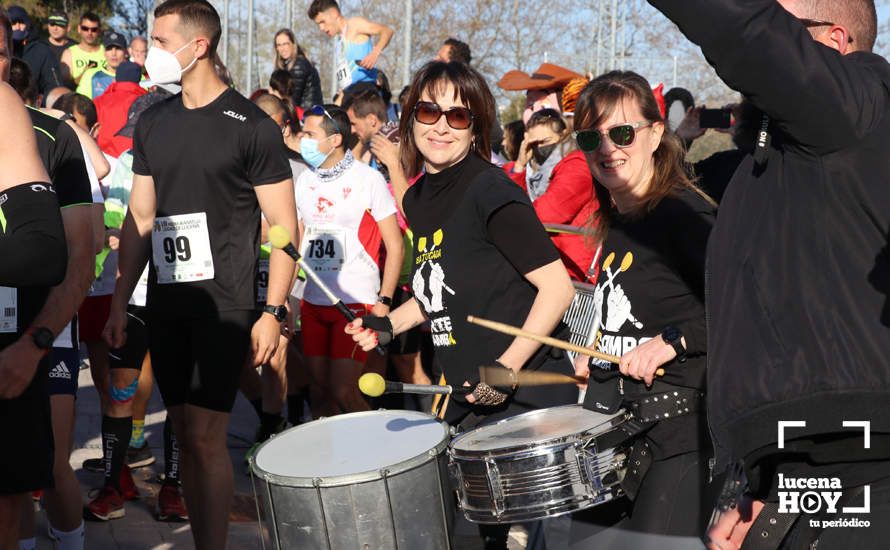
(547, 340)
(440, 402)
(496, 376)
(280, 239)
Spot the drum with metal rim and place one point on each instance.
(540, 464)
(356, 481)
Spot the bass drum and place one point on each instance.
(368, 480)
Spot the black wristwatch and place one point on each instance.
(279, 312)
(385, 300)
(42, 337)
(673, 336)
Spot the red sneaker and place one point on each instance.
(171, 506)
(107, 505)
(128, 486)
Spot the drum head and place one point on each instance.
(350, 444)
(534, 427)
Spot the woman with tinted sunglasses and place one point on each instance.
(479, 250)
(653, 224)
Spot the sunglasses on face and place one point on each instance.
(319, 110)
(621, 135)
(459, 118)
(84, 28)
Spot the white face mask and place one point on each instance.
(163, 67)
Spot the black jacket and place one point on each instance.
(43, 63)
(798, 261)
(307, 84)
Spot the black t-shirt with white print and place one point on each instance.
(205, 163)
(652, 271)
(475, 236)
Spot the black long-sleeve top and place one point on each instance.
(799, 268)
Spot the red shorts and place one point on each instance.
(92, 317)
(324, 334)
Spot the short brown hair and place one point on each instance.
(367, 102)
(318, 6)
(598, 100)
(90, 16)
(469, 86)
(859, 16)
(197, 14)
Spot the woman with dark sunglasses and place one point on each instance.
(479, 250)
(653, 223)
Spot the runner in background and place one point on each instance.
(380, 137)
(346, 212)
(87, 53)
(57, 36)
(356, 54)
(93, 82)
(268, 390)
(137, 50)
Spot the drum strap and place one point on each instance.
(638, 462)
(670, 404)
(647, 412)
(628, 429)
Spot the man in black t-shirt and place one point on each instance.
(32, 244)
(205, 162)
(57, 29)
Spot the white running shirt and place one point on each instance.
(341, 240)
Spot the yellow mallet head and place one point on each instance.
(279, 236)
(371, 384)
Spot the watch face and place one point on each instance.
(279, 312)
(671, 334)
(43, 338)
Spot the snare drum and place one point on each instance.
(367, 480)
(540, 464)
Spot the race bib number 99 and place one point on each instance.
(8, 310)
(262, 281)
(180, 248)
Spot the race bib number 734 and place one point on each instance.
(180, 248)
(324, 248)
